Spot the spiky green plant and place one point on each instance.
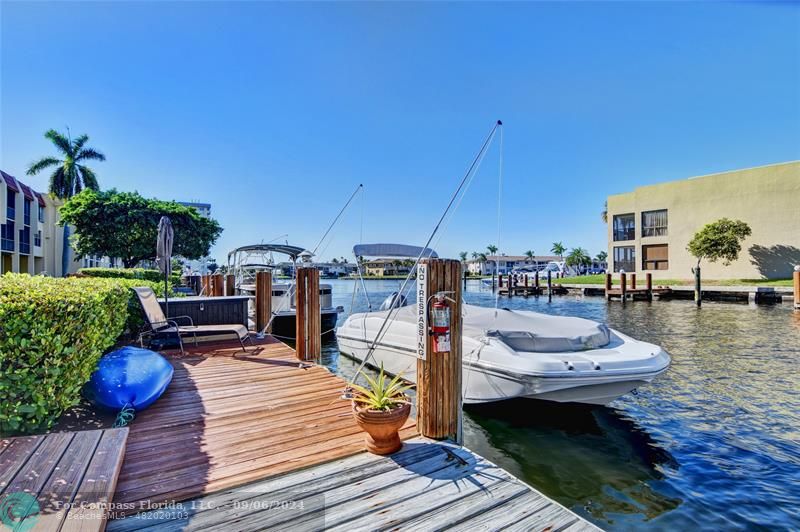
(380, 393)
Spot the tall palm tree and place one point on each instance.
(475, 255)
(578, 257)
(70, 176)
(463, 256)
(492, 249)
(601, 257)
(559, 249)
(604, 213)
(529, 255)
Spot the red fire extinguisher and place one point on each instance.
(440, 324)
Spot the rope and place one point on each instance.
(125, 416)
(333, 223)
(393, 310)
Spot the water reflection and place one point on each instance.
(714, 443)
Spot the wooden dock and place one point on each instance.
(59, 481)
(230, 417)
(427, 485)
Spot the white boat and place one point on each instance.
(244, 262)
(508, 354)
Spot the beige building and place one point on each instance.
(386, 267)
(649, 228)
(30, 237)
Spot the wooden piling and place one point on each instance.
(263, 299)
(230, 285)
(219, 285)
(633, 281)
(549, 285)
(205, 285)
(609, 284)
(536, 280)
(439, 376)
(624, 285)
(500, 280)
(308, 323)
(648, 283)
(796, 287)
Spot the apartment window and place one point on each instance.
(654, 223)
(40, 214)
(7, 236)
(655, 257)
(11, 205)
(624, 227)
(26, 212)
(624, 259)
(25, 240)
(37, 239)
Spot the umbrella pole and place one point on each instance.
(166, 290)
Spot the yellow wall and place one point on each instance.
(767, 198)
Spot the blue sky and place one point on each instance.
(274, 112)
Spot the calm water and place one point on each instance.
(713, 444)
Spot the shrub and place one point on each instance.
(52, 333)
(130, 273)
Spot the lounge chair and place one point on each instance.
(158, 324)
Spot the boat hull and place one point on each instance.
(283, 324)
(494, 372)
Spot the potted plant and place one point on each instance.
(381, 408)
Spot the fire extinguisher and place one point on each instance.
(440, 324)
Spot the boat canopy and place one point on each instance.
(292, 251)
(392, 250)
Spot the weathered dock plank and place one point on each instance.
(427, 485)
(61, 480)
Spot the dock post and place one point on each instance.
(465, 279)
(536, 281)
(624, 285)
(648, 283)
(219, 285)
(633, 280)
(499, 281)
(230, 285)
(205, 285)
(796, 278)
(308, 323)
(609, 284)
(263, 300)
(439, 374)
(698, 293)
(549, 286)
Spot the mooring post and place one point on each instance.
(549, 285)
(230, 285)
(263, 300)
(796, 278)
(204, 285)
(219, 285)
(536, 280)
(609, 284)
(308, 323)
(439, 374)
(465, 278)
(500, 281)
(648, 283)
(698, 293)
(633, 280)
(624, 285)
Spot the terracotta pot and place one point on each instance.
(381, 427)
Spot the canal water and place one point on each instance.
(712, 444)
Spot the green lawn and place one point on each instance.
(600, 279)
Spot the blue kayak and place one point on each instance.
(131, 377)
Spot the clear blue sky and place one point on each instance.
(274, 112)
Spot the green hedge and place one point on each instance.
(52, 333)
(130, 273)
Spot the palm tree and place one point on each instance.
(492, 249)
(578, 257)
(604, 213)
(70, 176)
(601, 257)
(463, 256)
(334, 260)
(475, 255)
(529, 255)
(559, 249)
